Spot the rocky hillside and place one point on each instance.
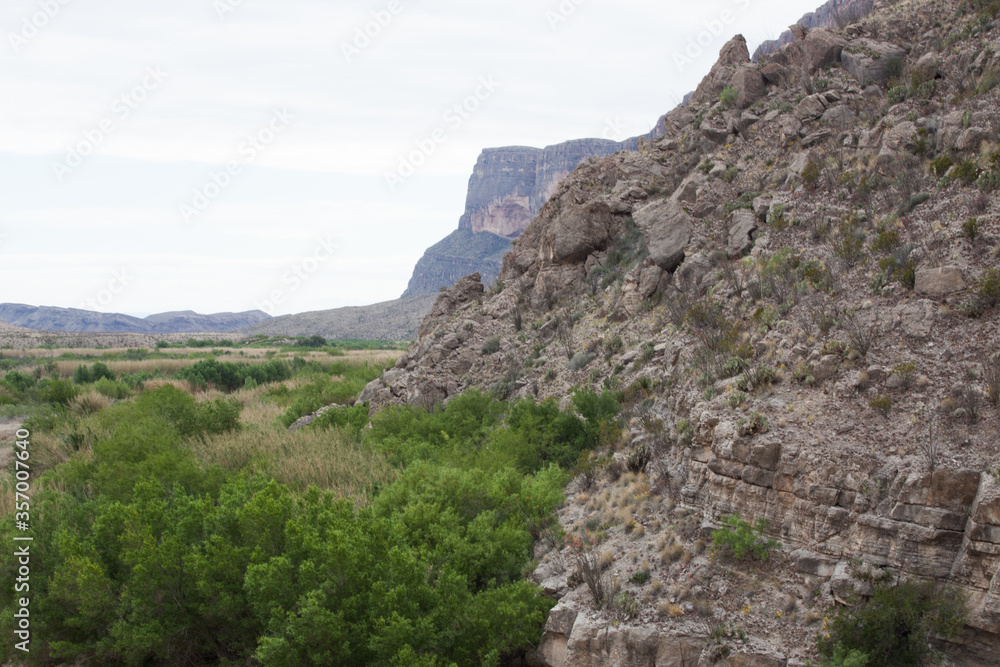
(797, 291)
(507, 189)
(834, 14)
(47, 318)
(391, 320)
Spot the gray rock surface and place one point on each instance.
(667, 230)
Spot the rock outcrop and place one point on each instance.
(733, 281)
(507, 189)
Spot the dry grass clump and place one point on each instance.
(672, 553)
(153, 385)
(333, 460)
(670, 609)
(89, 403)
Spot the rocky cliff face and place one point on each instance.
(834, 14)
(796, 291)
(507, 189)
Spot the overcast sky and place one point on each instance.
(226, 155)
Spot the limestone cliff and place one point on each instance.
(796, 292)
(507, 189)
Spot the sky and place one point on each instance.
(230, 155)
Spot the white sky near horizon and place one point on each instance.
(116, 112)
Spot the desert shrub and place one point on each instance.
(744, 540)
(229, 377)
(970, 229)
(490, 346)
(580, 361)
(613, 345)
(991, 377)
(59, 392)
(312, 342)
(967, 172)
(916, 200)
(745, 201)
(729, 97)
(988, 288)
(752, 425)
(811, 174)
(849, 243)
(941, 165)
(881, 404)
(18, 382)
(898, 94)
(112, 389)
(860, 333)
(896, 625)
(907, 373)
(894, 67)
(886, 241)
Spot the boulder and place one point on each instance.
(936, 283)
(667, 230)
(811, 108)
(900, 136)
(715, 131)
(687, 193)
(916, 319)
(821, 48)
(774, 74)
(927, 67)
(576, 233)
(693, 272)
(742, 227)
(749, 83)
(866, 60)
(466, 289)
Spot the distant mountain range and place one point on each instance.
(47, 318)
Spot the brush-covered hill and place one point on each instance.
(391, 320)
(797, 291)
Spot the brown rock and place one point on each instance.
(821, 48)
(939, 282)
(749, 83)
(743, 225)
(576, 233)
(667, 230)
(465, 290)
